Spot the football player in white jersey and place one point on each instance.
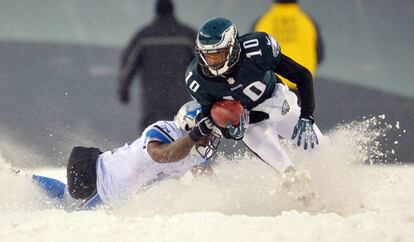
(164, 150)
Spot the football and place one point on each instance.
(227, 110)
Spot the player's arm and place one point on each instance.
(176, 150)
(171, 152)
(206, 109)
(302, 77)
(293, 71)
(197, 90)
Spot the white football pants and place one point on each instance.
(262, 138)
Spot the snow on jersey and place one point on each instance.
(127, 169)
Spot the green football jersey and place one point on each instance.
(251, 80)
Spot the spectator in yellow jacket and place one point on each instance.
(297, 34)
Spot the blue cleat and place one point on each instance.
(53, 187)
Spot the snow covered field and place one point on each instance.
(345, 201)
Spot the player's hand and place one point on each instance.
(123, 95)
(202, 129)
(237, 133)
(304, 130)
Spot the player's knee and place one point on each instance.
(81, 172)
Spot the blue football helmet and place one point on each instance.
(217, 47)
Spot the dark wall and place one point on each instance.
(55, 96)
(341, 103)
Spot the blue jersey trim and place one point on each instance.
(157, 134)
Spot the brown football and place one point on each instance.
(227, 110)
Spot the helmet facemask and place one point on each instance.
(216, 59)
(208, 149)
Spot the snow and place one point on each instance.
(245, 201)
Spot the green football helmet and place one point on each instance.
(217, 47)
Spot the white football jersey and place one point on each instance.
(127, 169)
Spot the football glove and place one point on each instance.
(257, 116)
(237, 133)
(202, 129)
(304, 130)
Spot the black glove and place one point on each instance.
(202, 129)
(257, 116)
(123, 95)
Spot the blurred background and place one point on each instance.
(59, 64)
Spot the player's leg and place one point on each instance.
(263, 140)
(285, 126)
(53, 187)
(283, 111)
(290, 112)
(91, 202)
(81, 172)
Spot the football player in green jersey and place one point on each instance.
(229, 66)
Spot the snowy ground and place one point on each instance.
(345, 201)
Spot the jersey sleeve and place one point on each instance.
(196, 87)
(262, 48)
(160, 131)
(272, 52)
(303, 79)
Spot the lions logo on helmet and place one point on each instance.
(217, 46)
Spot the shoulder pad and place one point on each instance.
(191, 71)
(266, 41)
(275, 45)
(162, 131)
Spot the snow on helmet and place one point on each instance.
(217, 46)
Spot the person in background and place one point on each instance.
(297, 33)
(160, 52)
